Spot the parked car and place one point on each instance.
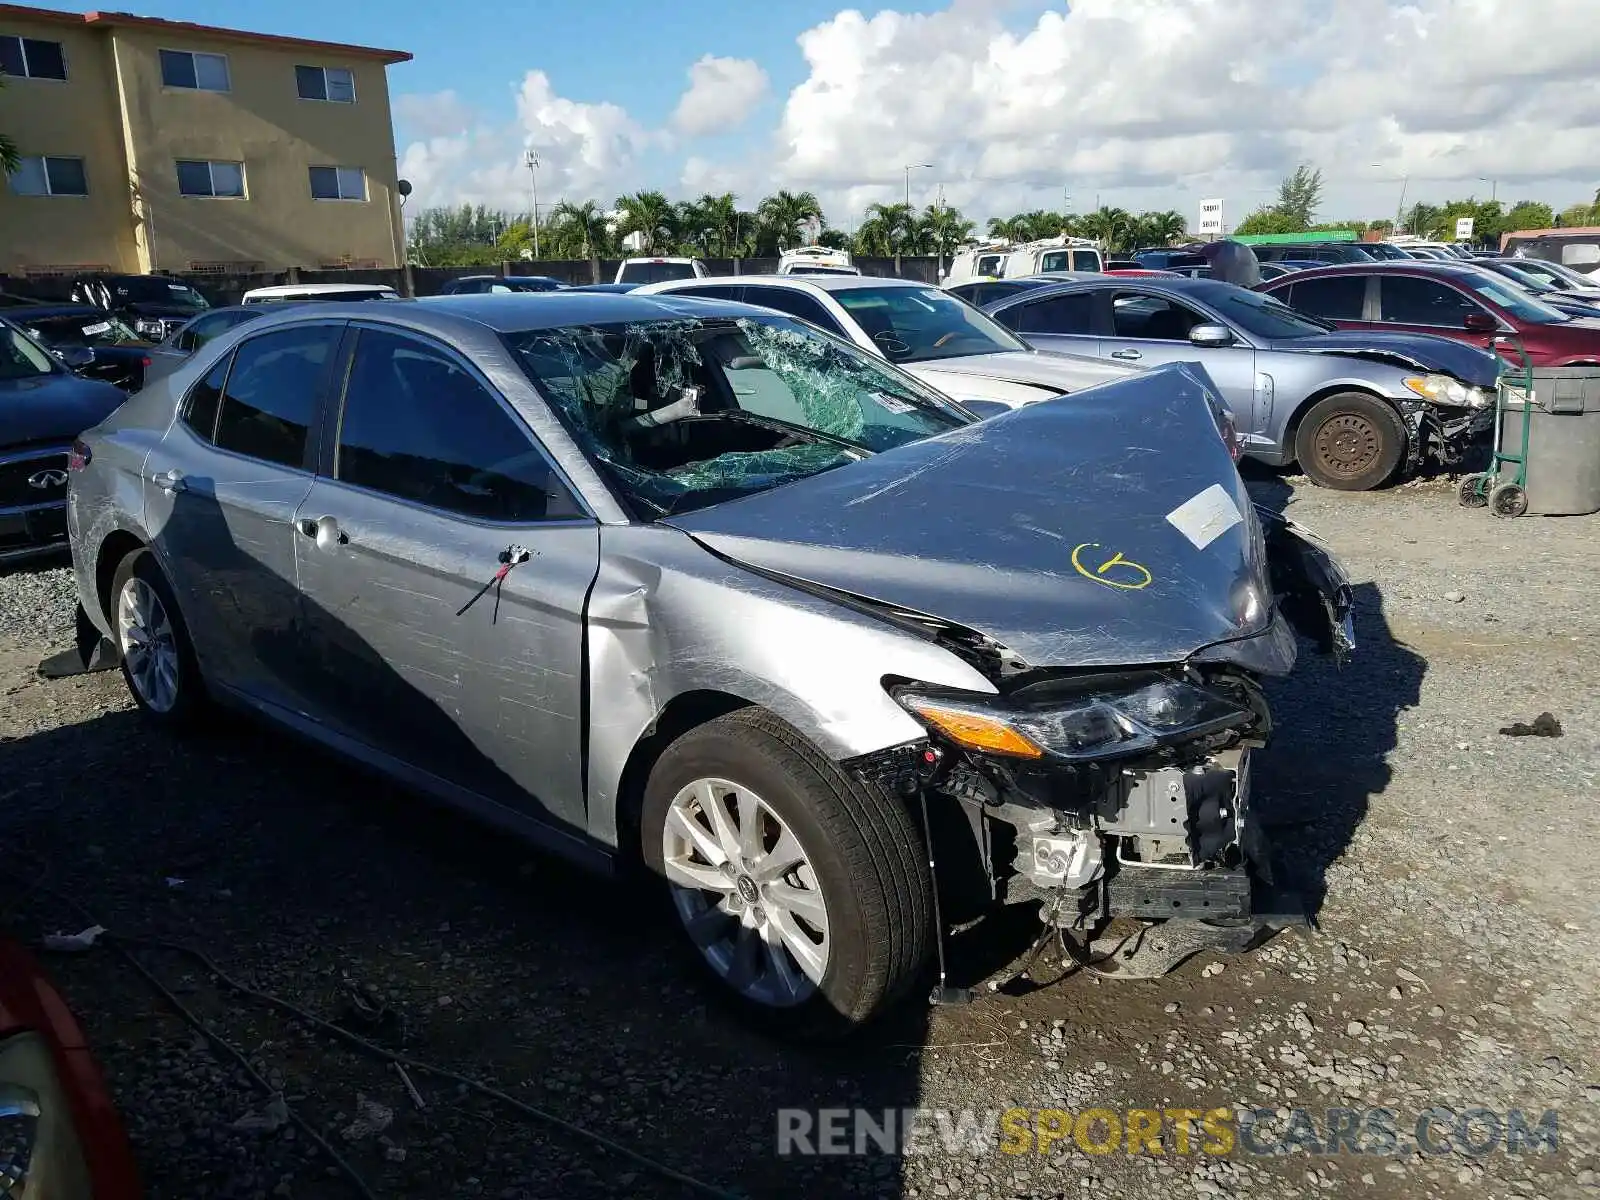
(942, 341)
(283, 293)
(1168, 259)
(1383, 251)
(1351, 409)
(604, 287)
(172, 353)
(1319, 252)
(60, 1136)
(655, 270)
(816, 260)
(979, 292)
(1559, 275)
(151, 305)
(43, 406)
(1460, 301)
(469, 285)
(1016, 260)
(114, 352)
(780, 597)
(1574, 304)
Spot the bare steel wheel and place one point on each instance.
(158, 660)
(1351, 442)
(746, 892)
(801, 889)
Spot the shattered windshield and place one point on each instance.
(688, 412)
(916, 324)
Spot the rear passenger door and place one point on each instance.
(430, 484)
(1342, 300)
(221, 498)
(1065, 322)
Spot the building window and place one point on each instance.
(31, 58)
(336, 84)
(202, 72)
(338, 183)
(198, 178)
(49, 176)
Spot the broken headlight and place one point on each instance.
(1079, 720)
(1442, 389)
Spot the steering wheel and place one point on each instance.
(890, 344)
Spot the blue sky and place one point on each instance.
(1016, 103)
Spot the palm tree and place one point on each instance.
(581, 222)
(942, 229)
(888, 229)
(1109, 226)
(720, 215)
(781, 215)
(650, 214)
(692, 226)
(1162, 228)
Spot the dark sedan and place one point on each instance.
(43, 407)
(1457, 300)
(95, 344)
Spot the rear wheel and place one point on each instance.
(1351, 442)
(1508, 500)
(803, 891)
(158, 661)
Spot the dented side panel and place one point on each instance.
(666, 618)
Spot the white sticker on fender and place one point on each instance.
(1206, 517)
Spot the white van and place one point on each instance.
(816, 260)
(1003, 260)
(659, 270)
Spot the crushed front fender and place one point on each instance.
(1314, 593)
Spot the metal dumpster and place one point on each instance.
(1547, 449)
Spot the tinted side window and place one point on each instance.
(1152, 318)
(1337, 299)
(271, 397)
(796, 304)
(715, 292)
(418, 427)
(1410, 301)
(1069, 314)
(201, 404)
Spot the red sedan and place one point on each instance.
(1457, 301)
(59, 1135)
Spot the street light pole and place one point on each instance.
(530, 159)
(1494, 188)
(910, 167)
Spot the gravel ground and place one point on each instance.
(1454, 960)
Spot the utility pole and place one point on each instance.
(530, 159)
(1494, 188)
(910, 167)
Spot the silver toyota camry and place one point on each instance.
(698, 587)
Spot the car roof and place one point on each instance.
(317, 289)
(1433, 267)
(826, 283)
(515, 312)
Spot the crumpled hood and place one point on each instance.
(1063, 372)
(53, 408)
(1422, 351)
(1107, 528)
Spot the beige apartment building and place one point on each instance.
(161, 145)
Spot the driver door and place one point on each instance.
(1151, 328)
(430, 479)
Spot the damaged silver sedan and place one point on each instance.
(698, 587)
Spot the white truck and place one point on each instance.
(1007, 260)
(816, 260)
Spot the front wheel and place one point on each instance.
(158, 660)
(1351, 442)
(803, 891)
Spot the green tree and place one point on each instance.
(781, 216)
(1576, 214)
(1530, 214)
(10, 160)
(941, 229)
(1012, 228)
(650, 214)
(577, 225)
(1157, 228)
(888, 229)
(1422, 221)
(834, 239)
(1267, 220)
(467, 236)
(1299, 196)
(1111, 227)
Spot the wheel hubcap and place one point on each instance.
(1347, 444)
(144, 634)
(746, 892)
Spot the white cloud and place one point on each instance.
(721, 93)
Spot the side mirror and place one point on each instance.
(77, 357)
(1480, 322)
(1211, 335)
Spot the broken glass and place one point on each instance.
(686, 411)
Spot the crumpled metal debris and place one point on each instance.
(1544, 725)
(371, 1118)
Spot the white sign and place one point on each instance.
(1463, 229)
(1211, 216)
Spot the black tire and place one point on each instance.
(191, 702)
(1508, 500)
(1351, 442)
(1470, 492)
(867, 853)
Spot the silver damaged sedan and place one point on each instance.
(697, 587)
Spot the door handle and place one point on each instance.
(169, 481)
(1128, 354)
(324, 531)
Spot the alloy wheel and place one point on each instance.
(746, 892)
(148, 644)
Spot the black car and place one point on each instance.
(1168, 260)
(151, 305)
(114, 352)
(178, 346)
(43, 408)
(475, 284)
(978, 292)
(1322, 252)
